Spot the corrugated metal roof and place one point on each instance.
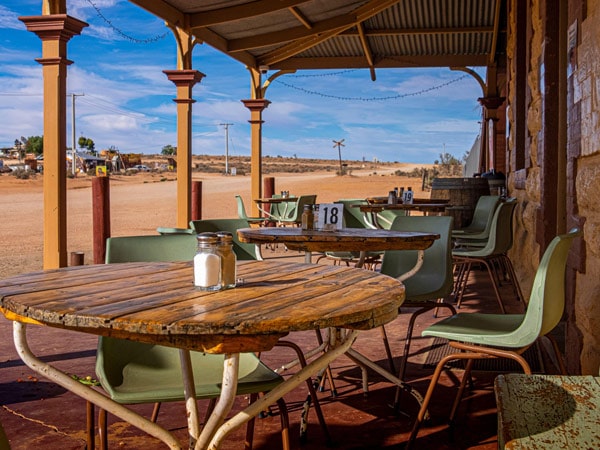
(296, 34)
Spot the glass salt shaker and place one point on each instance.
(207, 264)
(228, 259)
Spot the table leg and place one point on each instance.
(225, 402)
(363, 361)
(85, 392)
(415, 269)
(271, 397)
(189, 388)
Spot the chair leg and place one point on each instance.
(408, 340)
(90, 426)
(155, 412)
(558, 354)
(103, 429)
(388, 350)
(285, 424)
(312, 395)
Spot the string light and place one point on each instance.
(373, 99)
(122, 33)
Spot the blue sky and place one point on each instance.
(406, 115)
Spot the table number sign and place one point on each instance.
(407, 197)
(330, 216)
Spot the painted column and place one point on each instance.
(491, 105)
(55, 30)
(256, 107)
(184, 80)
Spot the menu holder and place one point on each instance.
(330, 217)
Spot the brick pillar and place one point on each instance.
(491, 105)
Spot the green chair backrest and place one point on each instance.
(243, 251)
(434, 279)
(483, 213)
(241, 209)
(294, 211)
(547, 300)
(500, 239)
(168, 247)
(353, 217)
(387, 216)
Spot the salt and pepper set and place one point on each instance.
(400, 196)
(215, 262)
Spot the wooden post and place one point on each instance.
(100, 216)
(77, 258)
(196, 200)
(269, 187)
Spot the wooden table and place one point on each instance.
(548, 411)
(158, 303)
(347, 239)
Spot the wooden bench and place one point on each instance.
(548, 411)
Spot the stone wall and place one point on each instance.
(582, 174)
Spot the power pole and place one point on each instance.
(73, 143)
(226, 125)
(339, 145)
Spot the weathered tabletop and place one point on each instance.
(158, 303)
(548, 411)
(347, 239)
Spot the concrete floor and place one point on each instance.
(37, 414)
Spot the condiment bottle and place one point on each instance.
(207, 264)
(315, 217)
(228, 259)
(392, 198)
(308, 218)
(401, 195)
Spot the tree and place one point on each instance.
(86, 143)
(168, 150)
(34, 144)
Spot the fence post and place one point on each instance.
(100, 216)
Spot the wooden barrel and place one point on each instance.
(462, 194)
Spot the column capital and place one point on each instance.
(491, 102)
(184, 77)
(256, 104)
(54, 27)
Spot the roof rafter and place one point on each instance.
(163, 10)
(315, 37)
(239, 12)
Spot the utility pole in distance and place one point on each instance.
(73, 144)
(226, 125)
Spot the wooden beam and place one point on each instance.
(419, 31)
(304, 38)
(366, 49)
(162, 10)
(301, 17)
(358, 62)
(493, 46)
(239, 12)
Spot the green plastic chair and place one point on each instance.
(241, 210)
(433, 282)
(493, 255)
(354, 218)
(479, 335)
(172, 230)
(134, 372)
(293, 215)
(243, 251)
(4, 444)
(479, 228)
(387, 216)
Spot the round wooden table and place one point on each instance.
(158, 303)
(348, 239)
